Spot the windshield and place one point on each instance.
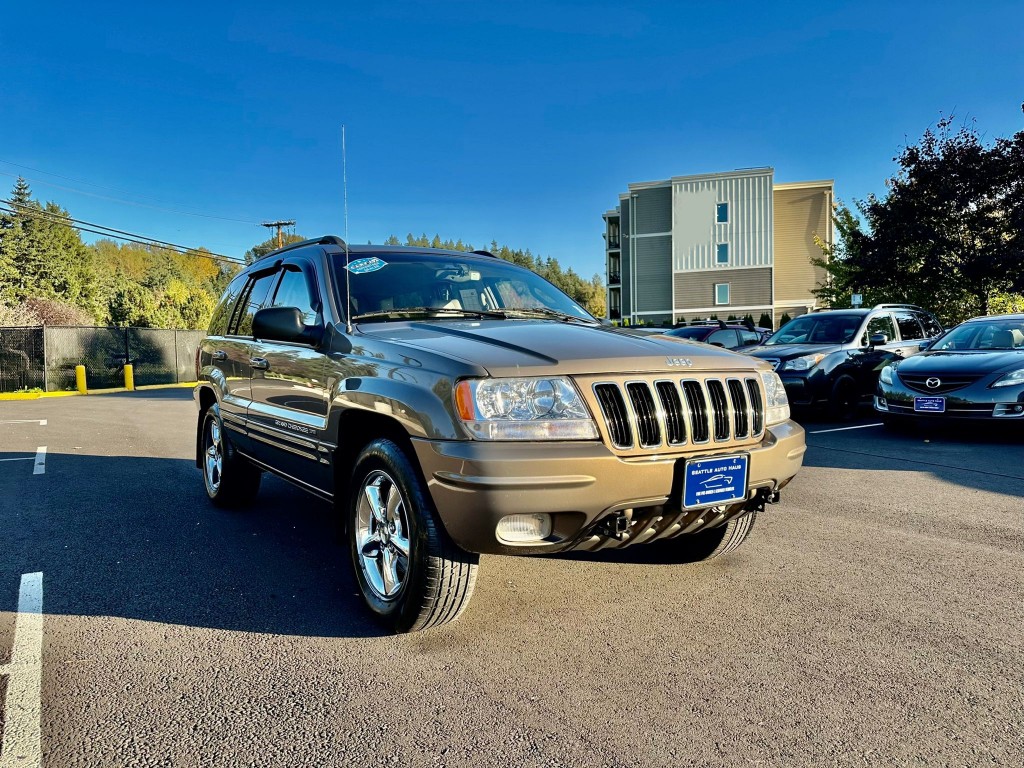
(818, 329)
(392, 284)
(984, 334)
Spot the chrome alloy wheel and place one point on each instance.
(214, 460)
(382, 535)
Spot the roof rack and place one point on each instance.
(897, 306)
(325, 240)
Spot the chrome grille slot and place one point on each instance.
(647, 428)
(740, 410)
(719, 408)
(675, 425)
(757, 407)
(615, 416)
(696, 404)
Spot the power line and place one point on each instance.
(117, 234)
(115, 199)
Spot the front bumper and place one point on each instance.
(474, 484)
(977, 402)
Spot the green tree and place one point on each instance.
(262, 249)
(42, 255)
(947, 234)
(765, 321)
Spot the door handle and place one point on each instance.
(220, 355)
(259, 363)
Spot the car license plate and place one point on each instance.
(718, 480)
(930, 404)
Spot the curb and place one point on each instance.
(37, 395)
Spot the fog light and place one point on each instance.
(519, 528)
(1008, 410)
(881, 404)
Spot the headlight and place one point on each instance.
(524, 409)
(886, 375)
(804, 363)
(775, 395)
(1009, 379)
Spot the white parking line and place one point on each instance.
(843, 429)
(40, 466)
(40, 422)
(22, 742)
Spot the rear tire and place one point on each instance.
(230, 479)
(411, 574)
(719, 541)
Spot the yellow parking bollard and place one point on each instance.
(129, 377)
(80, 379)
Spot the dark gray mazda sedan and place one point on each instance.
(974, 371)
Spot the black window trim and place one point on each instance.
(243, 298)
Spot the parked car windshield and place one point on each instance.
(817, 329)
(387, 283)
(990, 333)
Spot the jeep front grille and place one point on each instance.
(669, 413)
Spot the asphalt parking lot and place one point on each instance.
(874, 618)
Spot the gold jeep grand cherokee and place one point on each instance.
(452, 404)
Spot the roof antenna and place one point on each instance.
(344, 186)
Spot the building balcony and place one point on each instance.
(614, 313)
(614, 278)
(613, 244)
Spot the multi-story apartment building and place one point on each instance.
(722, 244)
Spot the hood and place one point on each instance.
(536, 347)
(789, 351)
(979, 361)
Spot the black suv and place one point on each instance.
(831, 358)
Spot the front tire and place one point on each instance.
(230, 479)
(844, 400)
(719, 541)
(411, 575)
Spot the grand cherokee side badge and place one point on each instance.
(681, 362)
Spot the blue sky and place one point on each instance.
(519, 122)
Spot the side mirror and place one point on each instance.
(923, 346)
(878, 339)
(284, 324)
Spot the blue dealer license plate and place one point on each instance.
(719, 480)
(930, 404)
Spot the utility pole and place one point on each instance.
(279, 225)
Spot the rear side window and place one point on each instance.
(727, 338)
(221, 315)
(910, 329)
(748, 338)
(255, 294)
(930, 324)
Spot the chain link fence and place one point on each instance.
(45, 358)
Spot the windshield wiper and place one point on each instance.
(431, 312)
(547, 312)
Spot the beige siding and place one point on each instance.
(747, 288)
(800, 214)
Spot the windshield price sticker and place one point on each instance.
(362, 266)
(719, 480)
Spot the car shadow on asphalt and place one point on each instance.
(136, 538)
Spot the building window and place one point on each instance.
(722, 256)
(722, 213)
(721, 293)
